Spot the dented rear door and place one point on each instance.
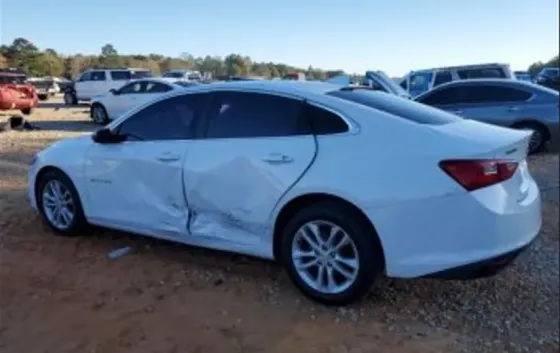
(255, 149)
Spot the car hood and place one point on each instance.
(76, 142)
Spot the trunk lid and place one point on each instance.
(487, 141)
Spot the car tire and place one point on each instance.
(55, 192)
(539, 136)
(70, 98)
(99, 114)
(43, 97)
(363, 260)
(27, 111)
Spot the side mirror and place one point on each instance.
(105, 135)
(114, 91)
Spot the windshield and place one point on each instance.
(420, 82)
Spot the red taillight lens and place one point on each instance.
(480, 173)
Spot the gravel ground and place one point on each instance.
(163, 297)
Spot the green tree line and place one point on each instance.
(22, 53)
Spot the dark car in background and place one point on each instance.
(548, 77)
(510, 103)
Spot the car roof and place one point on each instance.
(300, 88)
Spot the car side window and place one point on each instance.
(404, 85)
(98, 76)
(323, 122)
(131, 88)
(466, 74)
(156, 87)
(120, 75)
(443, 96)
(173, 118)
(246, 114)
(491, 93)
(442, 77)
(86, 76)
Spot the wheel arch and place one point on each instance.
(41, 174)
(532, 122)
(289, 209)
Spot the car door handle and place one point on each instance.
(278, 159)
(513, 109)
(168, 158)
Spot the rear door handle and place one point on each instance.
(168, 158)
(278, 159)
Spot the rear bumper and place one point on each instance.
(480, 269)
(481, 230)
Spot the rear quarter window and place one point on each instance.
(401, 107)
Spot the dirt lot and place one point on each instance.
(64, 295)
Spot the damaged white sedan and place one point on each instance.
(339, 184)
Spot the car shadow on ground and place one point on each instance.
(59, 105)
(65, 125)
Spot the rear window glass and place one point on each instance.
(140, 74)
(401, 107)
(120, 75)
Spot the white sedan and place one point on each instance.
(309, 174)
(107, 107)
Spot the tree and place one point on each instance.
(3, 61)
(108, 50)
(21, 53)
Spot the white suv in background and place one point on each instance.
(95, 82)
(420, 81)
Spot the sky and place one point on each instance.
(395, 36)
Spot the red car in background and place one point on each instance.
(16, 93)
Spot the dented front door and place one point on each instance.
(138, 186)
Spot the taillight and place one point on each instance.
(480, 173)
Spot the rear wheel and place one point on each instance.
(331, 253)
(59, 203)
(539, 136)
(70, 98)
(43, 97)
(27, 111)
(99, 114)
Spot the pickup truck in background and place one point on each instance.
(44, 86)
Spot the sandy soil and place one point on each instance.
(64, 294)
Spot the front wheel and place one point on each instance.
(27, 111)
(59, 203)
(331, 253)
(99, 114)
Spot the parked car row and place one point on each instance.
(313, 175)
